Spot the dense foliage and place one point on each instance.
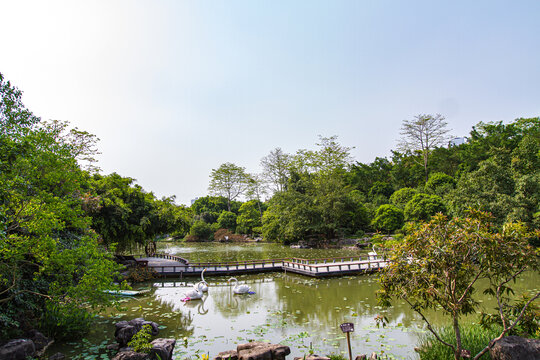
(319, 195)
(50, 257)
(61, 222)
(439, 264)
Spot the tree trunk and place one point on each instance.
(457, 354)
(426, 166)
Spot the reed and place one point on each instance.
(473, 338)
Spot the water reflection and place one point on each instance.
(216, 252)
(286, 308)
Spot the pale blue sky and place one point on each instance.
(176, 88)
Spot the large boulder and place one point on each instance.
(39, 340)
(126, 329)
(515, 348)
(18, 349)
(262, 351)
(162, 348)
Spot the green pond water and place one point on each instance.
(290, 309)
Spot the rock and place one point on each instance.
(17, 349)
(515, 348)
(226, 355)
(39, 340)
(162, 348)
(312, 357)
(362, 245)
(262, 351)
(126, 329)
(57, 356)
(113, 347)
(131, 355)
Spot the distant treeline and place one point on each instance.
(322, 194)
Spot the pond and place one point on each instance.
(290, 309)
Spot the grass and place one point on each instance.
(473, 338)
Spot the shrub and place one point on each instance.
(401, 197)
(249, 217)
(439, 183)
(64, 321)
(201, 230)
(208, 217)
(140, 342)
(423, 207)
(227, 220)
(388, 218)
(529, 325)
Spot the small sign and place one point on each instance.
(347, 327)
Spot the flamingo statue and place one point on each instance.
(193, 294)
(239, 289)
(204, 284)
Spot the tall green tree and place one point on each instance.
(229, 181)
(249, 217)
(49, 257)
(316, 204)
(489, 188)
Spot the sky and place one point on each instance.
(174, 89)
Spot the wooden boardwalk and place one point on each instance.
(171, 266)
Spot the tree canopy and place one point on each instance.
(229, 181)
(439, 265)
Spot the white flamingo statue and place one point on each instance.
(239, 289)
(204, 286)
(193, 294)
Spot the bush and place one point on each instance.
(64, 321)
(401, 197)
(208, 217)
(528, 326)
(439, 183)
(140, 342)
(249, 217)
(423, 206)
(201, 230)
(271, 229)
(388, 218)
(227, 220)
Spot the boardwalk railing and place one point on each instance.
(335, 267)
(310, 267)
(167, 257)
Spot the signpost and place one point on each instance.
(348, 328)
